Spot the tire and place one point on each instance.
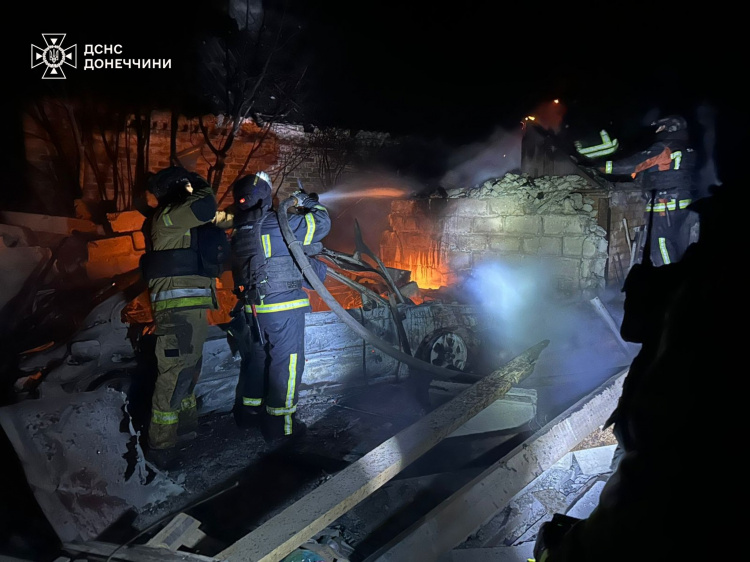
(117, 380)
(449, 348)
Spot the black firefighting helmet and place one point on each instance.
(253, 191)
(168, 182)
(672, 124)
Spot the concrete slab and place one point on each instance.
(82, 461)
(583, 507)
(516, 408)
(596, 460)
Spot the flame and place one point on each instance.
(423, 267)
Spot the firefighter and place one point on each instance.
(268, 327)
(666, 173)
(690, 343)
(181, 292)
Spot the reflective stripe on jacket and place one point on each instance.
(170, 230)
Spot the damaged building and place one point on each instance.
(478, 284)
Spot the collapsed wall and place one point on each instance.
(554, 221)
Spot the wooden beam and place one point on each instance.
(279, 536)
(182, 530)
(454, 520)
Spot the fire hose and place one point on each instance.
(295, 248)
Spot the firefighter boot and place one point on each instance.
(163, 459)
(282, 430)
(161, 450)
(188, 419)
(247, 417)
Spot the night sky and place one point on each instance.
(453, 73)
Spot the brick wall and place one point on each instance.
(284, 151)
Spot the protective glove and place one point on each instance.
(551, 534)
(308, 201)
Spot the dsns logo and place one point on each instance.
(54, 56)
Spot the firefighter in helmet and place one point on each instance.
(666, 172)
(268, 327)
(181, 291)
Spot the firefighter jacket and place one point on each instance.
(169, 228)
(263, 264)
(669, 164)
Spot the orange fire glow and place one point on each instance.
(423, 272)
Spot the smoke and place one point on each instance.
(520, 307)
(509, 296)
(501, 152)
(550, 115)
(367, 199)
(481, 161)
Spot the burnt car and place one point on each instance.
(112, 345)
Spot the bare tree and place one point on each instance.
(296, 152)
(241, 71)
(88, 134)
(248, 72)
(56, 179)
(334, 150)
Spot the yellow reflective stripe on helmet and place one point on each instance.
(289, 305)
(182, 303)
(664, 251)
(188, 403)
(164, 418)
(291, 381)
(280, 411)
(266, 238)
(251, 401)
(310, 220)
(608, 167)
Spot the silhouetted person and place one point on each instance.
(655, 506)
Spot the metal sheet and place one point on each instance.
(82, 460)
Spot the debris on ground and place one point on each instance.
(63, 443)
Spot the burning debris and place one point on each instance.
(515, 219)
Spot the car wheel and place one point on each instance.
(449, 349)
(116, 380)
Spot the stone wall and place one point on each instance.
(551, 221)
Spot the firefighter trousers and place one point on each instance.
(671, 231)
(180, 335)
(270, 373)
